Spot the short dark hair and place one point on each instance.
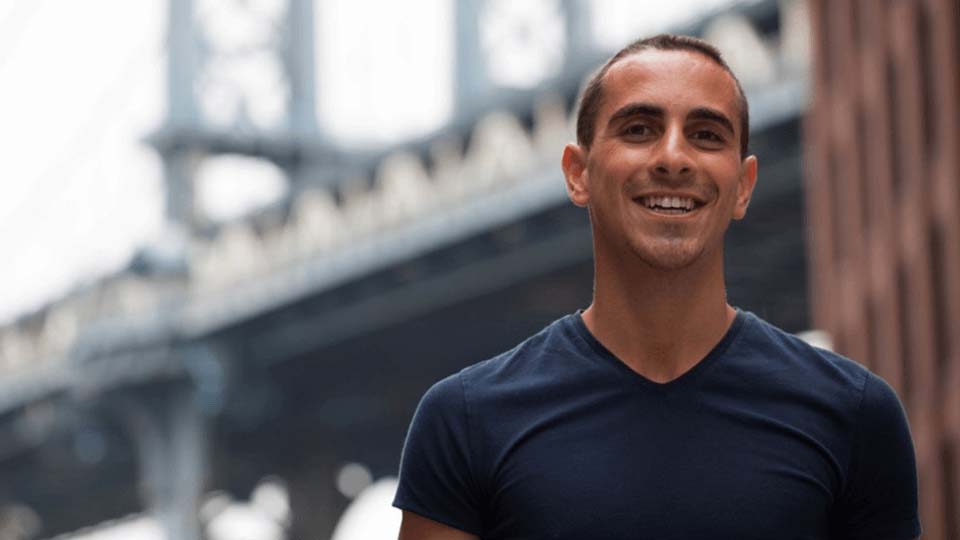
(592, 95)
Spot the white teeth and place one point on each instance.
(669, 202)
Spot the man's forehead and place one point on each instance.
(666, 74)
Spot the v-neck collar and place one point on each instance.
(590, 345)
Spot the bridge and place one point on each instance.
(300, 338)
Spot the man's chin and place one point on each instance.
(669, 257)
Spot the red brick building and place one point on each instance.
(883, 209)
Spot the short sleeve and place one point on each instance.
(436, 478)
(880, 497)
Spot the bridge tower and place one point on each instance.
(241, 81)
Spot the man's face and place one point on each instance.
(663, 176)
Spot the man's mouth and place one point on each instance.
(669, 205)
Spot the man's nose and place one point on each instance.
(672, 157)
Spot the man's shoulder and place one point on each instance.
(537, 363)
(526, 359)
(829, 374)
(806, 362)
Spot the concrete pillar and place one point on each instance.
(301, 69)
(170, 433)
(181, 63)
(471, 79)
(315, 503)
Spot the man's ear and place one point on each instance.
(574, 164)
(748, 179)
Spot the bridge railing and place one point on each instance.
(439, 190)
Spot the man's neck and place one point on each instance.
(660, 323)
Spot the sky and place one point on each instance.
(80, 84)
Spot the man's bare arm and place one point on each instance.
(416, 527)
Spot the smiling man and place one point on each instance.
(660, 411)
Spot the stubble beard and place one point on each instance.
(672, 249)
(669, 252)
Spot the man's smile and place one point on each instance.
(669, 205)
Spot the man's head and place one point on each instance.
(660, 162)
(593, 92)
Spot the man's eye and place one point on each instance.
(637, 129)
(707, 135)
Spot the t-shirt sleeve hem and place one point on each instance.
(445, 520)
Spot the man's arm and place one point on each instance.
(437, 488)
(880, 500)
(416, 527)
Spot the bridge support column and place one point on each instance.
(170, 432)
(315, 503)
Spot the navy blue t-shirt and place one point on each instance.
(767, 437)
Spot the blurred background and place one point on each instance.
(244, 236)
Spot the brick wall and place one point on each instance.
(883, 215)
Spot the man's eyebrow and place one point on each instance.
(636, 109)
(703, 113)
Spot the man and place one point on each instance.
(660, 411)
